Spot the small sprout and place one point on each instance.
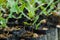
(31, 15)
(26, 23)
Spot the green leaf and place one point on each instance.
(36, 18)
(31, 14)
(3, 22)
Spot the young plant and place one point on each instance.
(13, 6)
(2, 21)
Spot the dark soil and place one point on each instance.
(17, 33)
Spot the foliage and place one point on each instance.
(29, 5)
